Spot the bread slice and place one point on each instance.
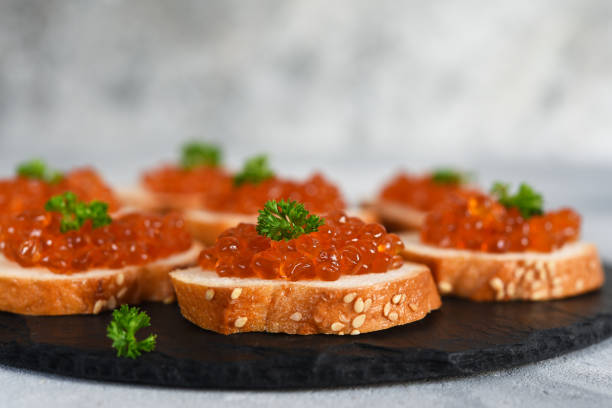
(350, 305)
(397, 216)
(38, 291)
(204, 225)
(482, 276)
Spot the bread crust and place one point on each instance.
(232, 305)
(396, 216)
(38, 291)
(573, 270)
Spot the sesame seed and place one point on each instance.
(367, 304)
(511, 289)
(592, 264)
(354, 332)
(350, 297)
(112, 302)
(556, 292)
(539, 265)
(413, 306)
(168, 300)
(337, 326)
(120, 279)
(342, 219)
(121, 292)
(396, 299)
(359, 305)
(393, 316)
(529, 276)
(518, 272)
(403, 298)
(539, 295)
(236, 293)
(98, 306)
(387, 309)
(358, 321)
(497, 284)
(499, 295)
(210, 294)
(240, 322)
(296, 317)
(341, 333)
(552, 268)
(536, 285)
(445, 287)
(579, 284)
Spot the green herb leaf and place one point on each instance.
(76, 212)
(526, 200)
(255, 170)
(449, 176)
(196, 154)
(37, 169)
(122, 331)
(286, 220)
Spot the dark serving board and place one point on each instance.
(462, 338)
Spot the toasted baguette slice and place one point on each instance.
(481, 276)
(350, 305)
(204, 225)
(396, 216)
(38, 291)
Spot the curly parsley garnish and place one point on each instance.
(122, 331)
(526, 200)
(255, 170)
(286, 220)
(449, 176)
(76, 212)
(38, 169)
(196, 154)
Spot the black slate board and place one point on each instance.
(462, 338)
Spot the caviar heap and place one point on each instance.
(219, 193)
(342, 246)
(33, 238)
(479, 222)
(180, 180)
(22, 193)
(420, 192)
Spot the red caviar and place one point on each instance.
(218, 192)
(33, 238)
(342, 246)
(420, 192)
(478, 222)
(176, 180)
(21, 194)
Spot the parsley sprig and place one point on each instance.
(122, 331)
(255, 170)
(76, 212)
(526, 200)
(196, 154)
(449, 176)
(38, 169)
(286, 220)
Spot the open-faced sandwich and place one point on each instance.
(35, 183)
(404, 201)
(212, 199)
(301, 274)
(60, 255)
(505, 247)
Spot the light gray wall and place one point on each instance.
(121, 83)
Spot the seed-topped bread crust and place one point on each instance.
(350, 305)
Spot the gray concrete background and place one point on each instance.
(514, 90)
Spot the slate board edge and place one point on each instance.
(324, 370)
